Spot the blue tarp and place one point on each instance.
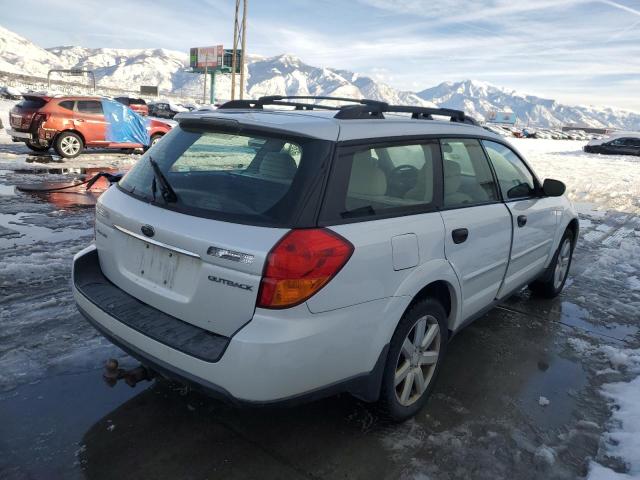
(123, 124)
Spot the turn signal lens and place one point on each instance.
(300, 264)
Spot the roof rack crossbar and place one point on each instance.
(376, 111)
(289, 101)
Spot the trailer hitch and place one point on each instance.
(112, 374)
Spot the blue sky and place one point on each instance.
(575, 51)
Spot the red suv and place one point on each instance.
(70, 124)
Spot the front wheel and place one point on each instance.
(415, 353)
(36, 147)
(552, 281)
(68, 145)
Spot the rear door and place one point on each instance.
(89, 120)
(477, 224)
(534, 217)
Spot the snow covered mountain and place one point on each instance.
(480, 98)
(127, 69)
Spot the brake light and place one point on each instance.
(40, 118)
(300, 264)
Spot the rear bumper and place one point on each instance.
(285, 356)
(22, 136)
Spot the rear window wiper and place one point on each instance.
(357, 212)
(168, 193)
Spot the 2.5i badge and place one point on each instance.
(231, 283)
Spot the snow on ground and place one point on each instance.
(608, 181)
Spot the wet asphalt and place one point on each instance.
(58, 419)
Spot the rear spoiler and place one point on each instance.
(36, 96)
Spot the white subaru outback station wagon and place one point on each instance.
(302, 250)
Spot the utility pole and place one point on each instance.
(239, 36)
(204, 92)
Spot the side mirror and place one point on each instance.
(553, 188)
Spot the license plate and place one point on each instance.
(16, 120)
(155, 264)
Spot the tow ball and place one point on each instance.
(112, 373)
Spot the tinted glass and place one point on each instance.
(515, 179)
(386, 178)
(136, 101)
(32, 103)
(67, 104)
(467, 176)
(89, 106)
(249, 178)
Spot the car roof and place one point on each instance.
(321, 124)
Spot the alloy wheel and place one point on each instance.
(562, 264)
(417, 360)
(70, 145)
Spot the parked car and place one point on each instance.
(70, 124)
(138, 105)
(272, 257)
(10, 93)
(620, 144)
(165, 109)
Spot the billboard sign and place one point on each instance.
(508, 118)
(149, 90)
(209, 57)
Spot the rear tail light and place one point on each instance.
(300, 264)
(40, 118)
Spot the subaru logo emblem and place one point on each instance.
(148, 230)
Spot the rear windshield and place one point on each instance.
(246, 178)
(32, 103)
(136, 101)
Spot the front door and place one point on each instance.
(534, 217)
(477, 224)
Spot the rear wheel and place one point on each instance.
(155, 139)
(36, 147)
(555, 276)
(414, 357)
(68, 145)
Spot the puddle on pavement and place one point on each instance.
(559, 381)
(576, 316)
(21, 233)
(46, 422)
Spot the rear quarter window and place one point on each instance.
(371, 182)
(32, 103)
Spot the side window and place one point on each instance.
(618, 142)
(632, 142)
(67, 104)
(515, 179)
(467, 176)
(90, 107)
(385, 178)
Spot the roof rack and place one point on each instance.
(359, 109)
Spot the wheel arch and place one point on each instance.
(435, 279)
(72, 130)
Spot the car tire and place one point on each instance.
(409, 375)
(37, 148)
(153, 140)
(68, 145)
(552, 281)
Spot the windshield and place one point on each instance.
(237, 177)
